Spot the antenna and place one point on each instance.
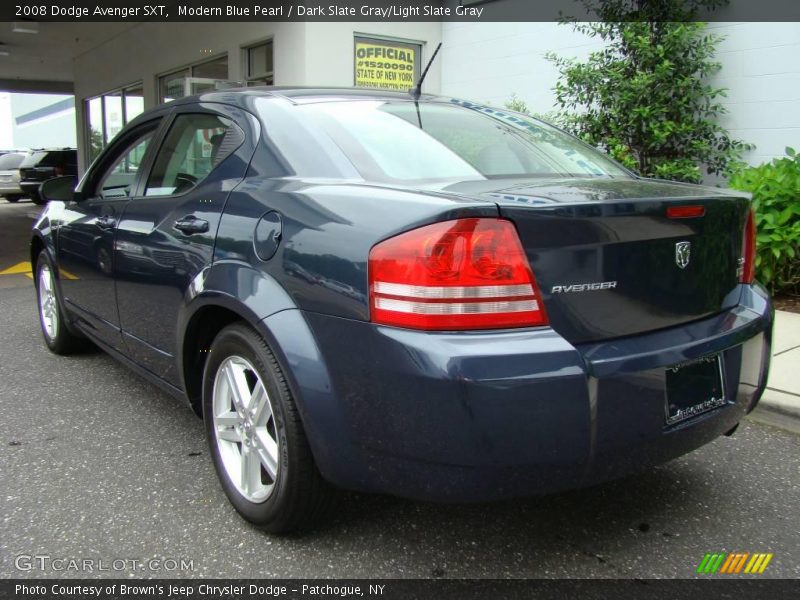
(416, 91)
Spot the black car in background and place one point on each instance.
(41, 164)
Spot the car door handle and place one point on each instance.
(106, 222)
(191, 224)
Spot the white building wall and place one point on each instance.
(761, 69)
(490, 61)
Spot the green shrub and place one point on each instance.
(776, 199)
(645, 97)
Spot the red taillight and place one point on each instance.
(685, 212)
(463, 274)
(748, 260)
(59, 171)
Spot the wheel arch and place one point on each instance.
(271, 313)
(228, 292)
(37, 245)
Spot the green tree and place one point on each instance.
(645, 97)
(95, 143)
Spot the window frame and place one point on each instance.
(270, 74)
(165, 129)
(87, 128)
(188, 68)
(110, 154)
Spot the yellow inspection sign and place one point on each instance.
(385, 65)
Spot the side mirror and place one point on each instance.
(59, 188)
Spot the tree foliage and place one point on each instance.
(645, 97)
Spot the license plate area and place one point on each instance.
(693, 389)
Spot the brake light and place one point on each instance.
(59, 171)
(685, 212)
(748, 260)
(462, 274)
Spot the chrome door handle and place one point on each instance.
(191, 224)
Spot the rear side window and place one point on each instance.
(194, 145)
(32, 159)
(10, 161)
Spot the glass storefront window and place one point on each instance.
(213, 69)
(170, 86)
(107, 114)
(113, 117)
(134, 102)
(196, 79)
(259, 65)
(94, 123)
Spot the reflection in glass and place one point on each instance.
(94, 120)
(134, 103)
(113, 115)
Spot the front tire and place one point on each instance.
(257, 442)
(57, 336)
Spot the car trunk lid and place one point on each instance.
(609, 260)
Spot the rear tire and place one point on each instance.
(256, 438)
(13, 198)
(36, 198)
(59, 339)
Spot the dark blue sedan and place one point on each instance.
(434, 299)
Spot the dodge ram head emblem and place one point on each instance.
(683, 254)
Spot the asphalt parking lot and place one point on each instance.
(97, 464)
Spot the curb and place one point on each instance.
(778, 409)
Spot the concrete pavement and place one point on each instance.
(780, 404)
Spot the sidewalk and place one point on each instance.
(780, 404)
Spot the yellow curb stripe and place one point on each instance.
(18, 269)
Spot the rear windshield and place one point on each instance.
(400, 141)
(50, 158)
(10, 161)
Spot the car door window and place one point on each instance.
(117, 180)
(194, 145)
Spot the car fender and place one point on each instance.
(262, 302)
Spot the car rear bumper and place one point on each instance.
(487, 415)
(29, 187)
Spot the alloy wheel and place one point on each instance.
(48, 308)
(245, 429)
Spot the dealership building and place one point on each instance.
(116, 70)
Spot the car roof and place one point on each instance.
(296, 95)
(243, 98)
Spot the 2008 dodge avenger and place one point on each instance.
(423, 297)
